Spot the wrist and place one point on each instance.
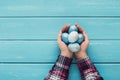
(81, 55)
(67, 54)
(81, 52)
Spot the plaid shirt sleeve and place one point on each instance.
(88, 70)
(60, 70)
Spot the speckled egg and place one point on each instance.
(73, 37)
(80, 38)
(75, 47)
(65, 38)
(72, 28)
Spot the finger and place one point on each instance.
(65, 28)
(79, 28)
(59, 36)
(59, 40)
(85, 35)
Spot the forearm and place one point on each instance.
(60, 70)
(87, 69)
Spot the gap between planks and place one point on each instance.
(54, 39)
(53, 63)
(59, 16)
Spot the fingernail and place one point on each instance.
(84, 32)
(68, 25)
(60, 31)
(76, 23)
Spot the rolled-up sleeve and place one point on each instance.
(60, 70)
(88, 70)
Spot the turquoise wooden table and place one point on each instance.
(29, 28)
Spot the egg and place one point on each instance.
(65, 38)
(73, 37)
(75, 47)
(80, 38)
(72, 28)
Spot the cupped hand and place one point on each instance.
(63, 47)
(83, 47)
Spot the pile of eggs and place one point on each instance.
(73, 38)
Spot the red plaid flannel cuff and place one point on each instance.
(60, 70)
(88, 70)
(63, 61)
(85, 64)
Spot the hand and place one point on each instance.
(63, 47)
(83, 47)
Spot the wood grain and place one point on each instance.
(39, 71)
(29, 28)
(48, 28)
(47, 51)
(62, 8)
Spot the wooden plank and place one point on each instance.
(39, 71)
(48, 28)
(47, 51)
(62, 8)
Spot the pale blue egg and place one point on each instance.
(80, 38)
(73, 37)
(72, 28)
(75, 47)
(65, 38)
